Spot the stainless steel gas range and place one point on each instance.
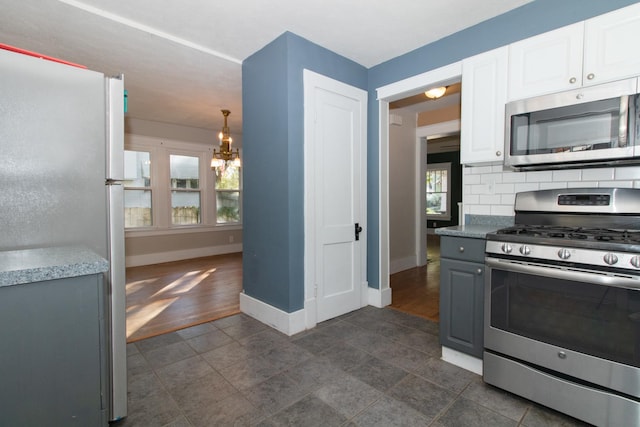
(562, 303)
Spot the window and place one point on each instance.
(137, 189)
(185, 189)
(188, 196)
(438, 191)
(228, 195)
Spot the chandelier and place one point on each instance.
(226, 155)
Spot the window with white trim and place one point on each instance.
(228, 195)
(438, 191)
(169, 185)
(185, 189)
(137, 189)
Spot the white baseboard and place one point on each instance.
(402, 264)
(378, 298)
(462, 360)
(160, 257)
(287, 323)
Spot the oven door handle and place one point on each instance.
(625, 281)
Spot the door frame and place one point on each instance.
(392, 92)
(312, 80)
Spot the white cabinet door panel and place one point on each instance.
(484, 93)
(550, 62)
(611, 46)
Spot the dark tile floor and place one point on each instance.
(372, 367)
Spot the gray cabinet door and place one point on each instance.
(51, 366)
(461, 306)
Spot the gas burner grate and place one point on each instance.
(573, 233)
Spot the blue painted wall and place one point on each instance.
(273, 136)
(273, 121)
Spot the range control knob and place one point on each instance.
(635, 261)
(506, 248)
(564, 253)
(610, 258)
(525, 250)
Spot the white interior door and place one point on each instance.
(335, 197)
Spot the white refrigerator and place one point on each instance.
(61, 165)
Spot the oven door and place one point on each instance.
(577, 322)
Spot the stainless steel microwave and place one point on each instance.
(590, 126)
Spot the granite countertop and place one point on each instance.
(478, 231)
(477, 226)
(36, 265)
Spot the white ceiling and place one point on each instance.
(182, 59)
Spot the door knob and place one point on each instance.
(358, 230)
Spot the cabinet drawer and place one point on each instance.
(462, 248)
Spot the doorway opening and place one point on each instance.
(432, 129)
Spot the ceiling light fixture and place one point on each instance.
(221, 159)
(436, 92)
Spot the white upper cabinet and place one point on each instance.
(547, 63)
(483, 97)
(611, 46)
(591, 52)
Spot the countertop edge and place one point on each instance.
(24, 266)
(476, 231)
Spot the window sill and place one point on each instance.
(151, 231)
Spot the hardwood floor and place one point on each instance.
(417, 290)
(166, 297)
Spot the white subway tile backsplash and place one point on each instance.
(604, 174)
(622, 184)
(472, 179)
(628, 172)
(504, 188)
(480, 169)
(497, 168)
(552, 185)
(514, 177)
(480, 189)
(502, 210)
(508, 199)
(490, 192)
(578, 184)
(526, 186)
(491, 178)
(539, 176)
(567, 175)
(480, 210)
(471, 199)
(494, 199)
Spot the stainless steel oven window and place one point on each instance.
(594, 319)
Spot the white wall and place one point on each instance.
(402, 191)
(490, 190)
(180, 133)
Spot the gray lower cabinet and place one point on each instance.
(462, 294)
(52, 362)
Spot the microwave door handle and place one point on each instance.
(623, 119)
